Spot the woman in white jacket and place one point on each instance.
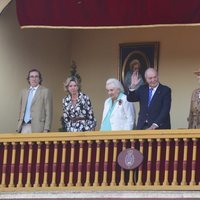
(118, 113)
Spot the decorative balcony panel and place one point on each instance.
(87, 161)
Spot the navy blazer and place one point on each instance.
(159, 109)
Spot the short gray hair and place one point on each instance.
(150, 69)
(116, 83)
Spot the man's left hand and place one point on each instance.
(153, 127)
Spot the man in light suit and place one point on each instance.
(35, 106)
(154, 99)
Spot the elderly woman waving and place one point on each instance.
(118, 113)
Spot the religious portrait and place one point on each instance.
(137, 57)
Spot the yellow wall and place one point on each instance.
(22, 50)
(96, 53)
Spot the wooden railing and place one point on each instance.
(88, 161)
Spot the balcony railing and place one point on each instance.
(88, 161)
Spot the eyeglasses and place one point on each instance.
(33, 76)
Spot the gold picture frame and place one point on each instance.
(146, 53)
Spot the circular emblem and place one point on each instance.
(130, 158)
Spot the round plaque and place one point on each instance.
(130, 158)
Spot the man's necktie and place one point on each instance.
(27, 116)
(150, 95)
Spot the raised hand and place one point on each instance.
(134, 79)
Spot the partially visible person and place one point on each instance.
(36, 106)
(77, 109)
(134, 66)
(118, 113)
(154, 99)
(194, 114)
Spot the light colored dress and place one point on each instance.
(119, 115)
(194, 115)
(106, 125)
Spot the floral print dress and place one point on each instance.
(194, 115)
(78, 117)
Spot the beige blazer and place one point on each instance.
(41, 110)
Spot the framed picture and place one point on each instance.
(137, 57)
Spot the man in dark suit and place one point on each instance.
(154, 99)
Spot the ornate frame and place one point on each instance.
(147, 53)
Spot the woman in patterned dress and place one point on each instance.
(194, 115)
(77, 109)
